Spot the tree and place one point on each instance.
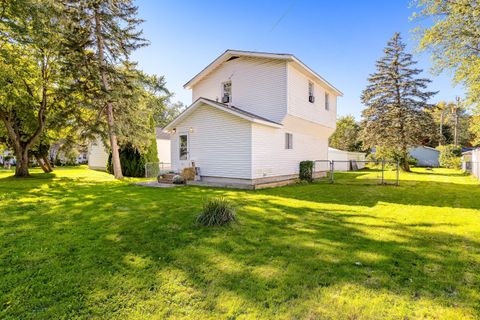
(103, 34)
(30, 73)
(453, 40)
(346, 135)
(396, 100)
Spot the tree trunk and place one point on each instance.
(404, 162)
(47, 163)
(41, 164)
(117, 168)
(21, 167)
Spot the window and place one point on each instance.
(311, 93)
(183, 147)
(288, 141)
(227, 92)
(327, 101)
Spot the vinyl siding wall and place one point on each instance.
(258, 86)
(298, 104)
(219, 143)
(270, 158)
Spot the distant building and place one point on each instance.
(426, 156)
(346, 160)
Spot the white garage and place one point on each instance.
(346, 160)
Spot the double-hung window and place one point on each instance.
(311, 92)
(227, 92)
(327, 101)
(288, 141)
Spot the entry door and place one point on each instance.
(184, 150)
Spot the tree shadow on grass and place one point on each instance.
(104, 249)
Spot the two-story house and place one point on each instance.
(254, 117)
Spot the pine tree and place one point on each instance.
(396, 99)
(109, 29)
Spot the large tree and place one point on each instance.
(396, 99)
(346, 135)
(30, 73)
(103, 34)
(453, 38)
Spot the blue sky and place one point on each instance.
(341, 40)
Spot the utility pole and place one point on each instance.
(440, 140)
(455, 108)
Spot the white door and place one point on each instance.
(184, 150)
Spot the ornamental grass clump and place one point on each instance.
(217, 212)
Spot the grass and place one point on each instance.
(77, 244)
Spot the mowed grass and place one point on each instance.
(77, 244)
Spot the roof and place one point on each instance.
(224, 107)
(426, 147)
(239, 53)
(160, 134)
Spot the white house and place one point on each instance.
(426, 156)
(254, 117)
(346, 160)
(98, 154)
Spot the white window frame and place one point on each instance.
(187, 156)
(288, 141)
(327, 101)
(311, 90)
(222, 91)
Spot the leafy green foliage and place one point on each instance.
(217, 212)
(450, 156)
(306, 170)
(452, 39)
(346, 135)
(396, 100)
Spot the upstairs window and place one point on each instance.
(327, 101)
(311, 93)
(288, 141)
(227, 92)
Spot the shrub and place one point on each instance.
(188, 174)
(217, 212)
(449, 156)
(306, 171)
(178, 179)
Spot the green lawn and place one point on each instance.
(77, 244)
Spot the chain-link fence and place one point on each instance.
(366, 172)
(153, 169)
(357, 172)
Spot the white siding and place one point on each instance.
(342, 159)
(163, 149)
(270, 158)
(219, 143)
(298, 104)
(258, 86)
(97, 155)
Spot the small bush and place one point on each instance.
(178, 179)
(217, 212)
(188, 174)
(449, 156)
(306, 171)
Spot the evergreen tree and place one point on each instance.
(396, 100)
(109, 30)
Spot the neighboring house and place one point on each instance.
(426, 156)
(475, 170)
(98, 154)
(467, 160)
(254, 117)
(346, 160)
